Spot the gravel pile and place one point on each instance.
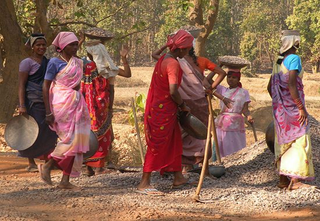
(248, 187)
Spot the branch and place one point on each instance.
(135, 32)
(124, 5)
(74, 22)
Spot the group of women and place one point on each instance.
(57, 95)
(73, 103)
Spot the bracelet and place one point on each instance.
(299, 103)
(21, 106)
(223, 98)
(214, 90)
(48, 115)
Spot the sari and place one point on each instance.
(95, 90)
(230, 122)
(193, 94)
(47, 138)
(293, 150)
(163, 135)
(72, 122)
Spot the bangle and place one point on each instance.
(214, 90)
(223, 98)
(21, 106)
(48, 115)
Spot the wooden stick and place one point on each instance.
(138, 131)
(205, 160)
(254, 132)
(213, 130)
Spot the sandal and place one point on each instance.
(150, 191)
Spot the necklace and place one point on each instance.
(63, 58)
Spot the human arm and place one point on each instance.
(269, 87)
(292, 84)
(45, 92)
(175, 95)
(228, 102)
(246, 112)
(126, 72)
(111, 95)
(157, 53)
(23, 78)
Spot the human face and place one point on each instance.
(232, 81)
(39, 47)
(183, 52)
(71, 49)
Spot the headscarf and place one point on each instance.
(101, 57)
(32, 39)
(181, 39)
(235, 73)
(289, 39)
(63, 39)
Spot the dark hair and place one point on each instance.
(280, 58)
(37, 35)
(193, 55)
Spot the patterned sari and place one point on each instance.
(161, 125)
(95, 90)
(292, 142)
(72, 122)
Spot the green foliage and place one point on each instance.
(306, 18)
(139, 103)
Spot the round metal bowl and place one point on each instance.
(270, 136)
(21, 132)
(93, 146)
(98, 33)
(193, 126)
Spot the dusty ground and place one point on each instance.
(246, 192)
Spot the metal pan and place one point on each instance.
(93, 146)
(21, 132)
(270, 136)
(193, 126)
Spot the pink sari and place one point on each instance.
(72, 120)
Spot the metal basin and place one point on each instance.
(93, 146)
(21, 132)
(193, 126)
(270, 136)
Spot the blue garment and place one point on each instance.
(293, 63)
(55, 65)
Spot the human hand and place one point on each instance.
(303, 116)
(22, 110)
(228, 102)
(49, 119)
(185, 108)
(250, 119)
(124, 51)
(206, 84)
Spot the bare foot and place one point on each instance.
(101, 170)
(179, 179)
(89, 171)
(284, 182)
(45, 174)
(68, 186)
(298, 185)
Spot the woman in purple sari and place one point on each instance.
(293, 150)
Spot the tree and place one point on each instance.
(14, 52)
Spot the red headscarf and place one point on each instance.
(236, 73)
(182, 39)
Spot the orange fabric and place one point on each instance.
(171, 67)
(181, 39)
(205, 63)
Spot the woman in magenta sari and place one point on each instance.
(66, 111)
(162, 130)
(293, 150)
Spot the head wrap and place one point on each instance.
(236, 73)
(32, 39)
(63, 39)
(181, 39)
(289, 39)
(101, 57)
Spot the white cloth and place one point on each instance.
(288, 42)
(106, 67)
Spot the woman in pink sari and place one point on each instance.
(66, 111)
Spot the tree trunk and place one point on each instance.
(196, 18)
(41, 22)
(15, 52)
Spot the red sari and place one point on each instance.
(162, 129)
(95, 89)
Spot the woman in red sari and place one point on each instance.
(98, 91)
(162, 129)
